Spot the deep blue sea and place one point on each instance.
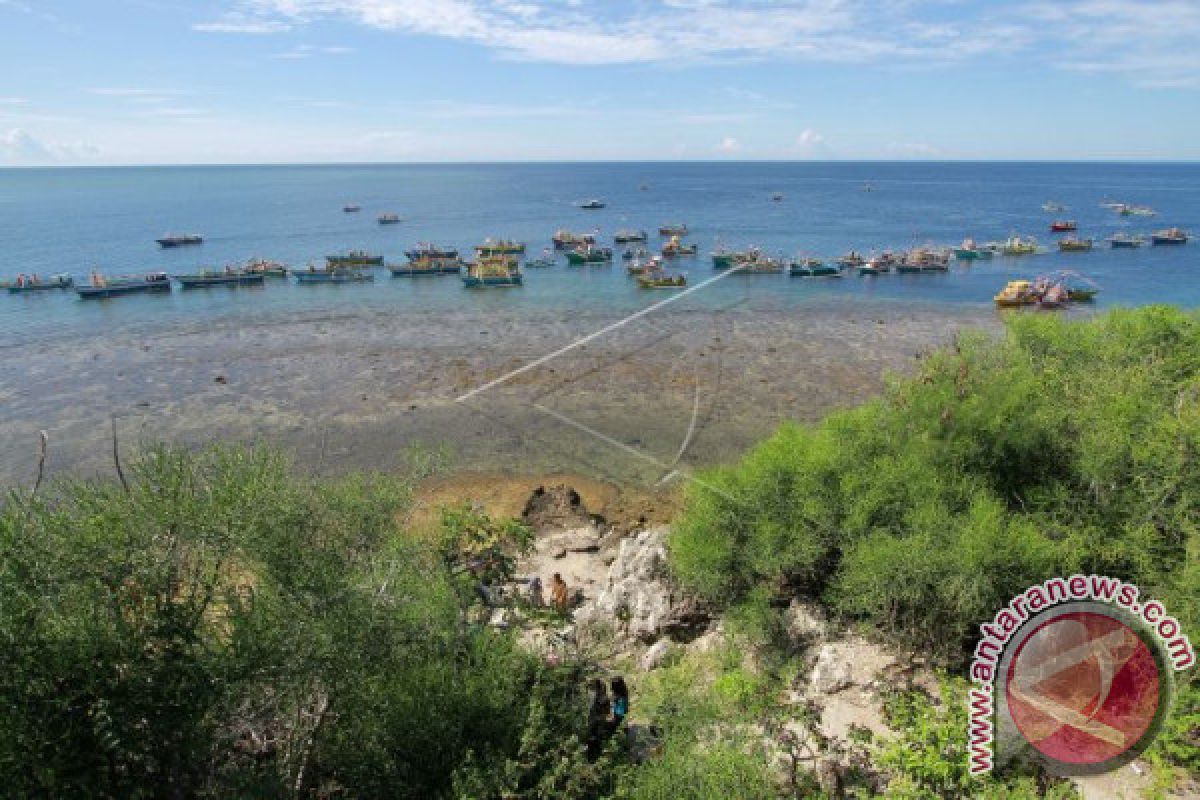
(54, 220)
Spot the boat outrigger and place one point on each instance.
(226, 277)
(101, 286)
(355, 258)
(35, 283)
(589, 255)
(180, 240)
(1169, 236)
(492, 271)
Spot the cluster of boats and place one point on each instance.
(1054, 291)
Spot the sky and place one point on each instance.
(101, 82)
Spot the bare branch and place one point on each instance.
(41, 468)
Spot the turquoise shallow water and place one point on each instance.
(76, 219)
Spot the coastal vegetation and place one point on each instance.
(215, 625)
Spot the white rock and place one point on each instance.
(806, 621)
(830, 673)
(655, 656)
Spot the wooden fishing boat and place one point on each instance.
(209, 278)
(1054, 297)
(763, 265)
(970, 251)
(675, 248)
(814, 268)
(428, 250)
(1169, 236)
(641, 254)
(100, 286)
(499, 247)
(389, 219)
(1078, 294)
(1125, 240)
(1136, 211)
(628, 236)
(492, 272)
(589, 255)
(1019, 246)
(355, 258)
(661, 280)
(673, 229)
(1016, 294)
(268, 269)
(332, 274)
(851, 260)
(724, 258)
(426, 265)
(566, 240)
(878, 265)
(33, 283)
(1063, 226)
(644, 266)
(1072, 244)
(180, 240)
(923, 260)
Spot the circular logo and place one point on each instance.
(1085, 689)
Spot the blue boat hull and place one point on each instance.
(115, 291)
(324, 277)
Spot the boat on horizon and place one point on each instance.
(103, 286)
(35, 283)
(351, 208)
(180, 240)
(1169, 236)
(1051, 207)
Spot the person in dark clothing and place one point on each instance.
(620, 703)
(598, 721)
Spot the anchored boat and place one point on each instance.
(389, 219)
(675, 248)
(351, 208)
(566, 240)
(814, 268)
(1019, 246)
(268, 269)
(34, 283)
(851, 260)
(1016, 294)
(878, 265)
(970, 251)
(355, 258)
(227, 277)
(180, 240)
(499, 247)
(492, 271)
(101, 286)
(1169, 236)
(922, 260)
(589, 255)
(673, 229)
(332, 274)
(592, 204)
(661, 280)
(628, 236)
(724, 258)
(427, 265)
(1063, 226)
(1072, 244)
(1125, 240)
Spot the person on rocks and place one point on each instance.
(598, 719)
(620, 703)
(560, 595)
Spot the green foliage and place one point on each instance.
(1067, 446)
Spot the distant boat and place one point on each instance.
(1169, 236)
(673, 229)
(492, 272)
(427, 265)
(1072, 244)
(389, 219)
(352, 208)
(180, 240)
(674, 248)
(970, 251)
(589, 255)
(1125, 240)
(921, 259)
(209, 278)
(547, 260)
(627, 236)
(1053, 208)
(355, 258)
(592, 204)
(777, 197)
(1136, 211)
(427, 250)
(723, 258)
(331, 274)
(33, 283)
(814, 268)
(1019, 246)
(851, 260)
(100, 286)
(1063, 226)
(499, 247)
(268, 269)
(762, 265)
(565, 240)
(878, 265)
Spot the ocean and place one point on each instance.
(76, 220)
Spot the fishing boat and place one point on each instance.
(673, 229)
(1169, 236)
(1125, 240)
(642, 266)
(426, 265)
(628, 236)
(631, 255)
(675, 248)
(814, 268)
(1079, 288)
(355, 258)
(878, 265)
(921, 259)
(1016, 294)
(499, 247)
(351, 208)
(970, 251)
(389, 219)
(1073, 244)
(592, 204)
(541, 263)
(1136, 211)
(851, 260)
(100, 286)
(492, 271)
(1051, 207)
(1063, 226)
(762, 265)
(777, 197)
(268, 269)
(1019, 246)
(34, 283)
(227, 277)
(180, 240)
(589, 255)
(1054, 297)
(723, 258)
(331, 274)
(566, 240)
(662, 280)
(428, 250)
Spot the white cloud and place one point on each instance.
(13, 101)
(913, 150)
(239, 22)
(810, 144)
(308, 51)
(729, 145)
(133, 92)
(19, 147)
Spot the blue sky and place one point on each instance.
(251, 81)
